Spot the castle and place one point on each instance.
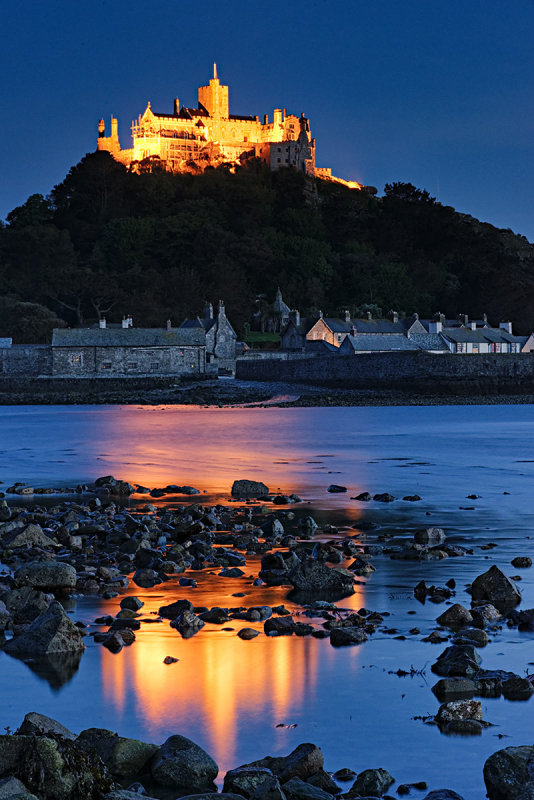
(190, 139)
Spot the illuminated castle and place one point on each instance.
(190, 139)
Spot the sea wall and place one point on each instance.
(416, 370)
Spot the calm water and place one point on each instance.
(229, 695)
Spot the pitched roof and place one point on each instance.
(429, 341)
(480, 336)
(377, 342)
(127, 337)
(5, 342)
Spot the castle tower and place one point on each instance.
(214, 98)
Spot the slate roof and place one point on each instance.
(5, 342)
(429, 341)
(481, 336)
(320, 347)
(376, 343)
(127, 337)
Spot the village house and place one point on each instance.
(220, 337)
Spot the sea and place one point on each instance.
(472, 466)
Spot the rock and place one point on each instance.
(210, 796)
(303, 762)
(430, 536)
(181, 764)
(123, 757)
(521, 562)
(124, 794)
(187, 624)
(297, 789)
(51, 632)
(246, 488)
(517, 688)
(175, 609)
(459, 709)
(489, 682)
(231, 572)
(457, 660)
(527, 792)
(259, 613)
(316, 578)
(30, 536)
(325, 782)
(25, 604)
(456, 616)
(271, 529)
(495, 587)
(341, 637)
(412, 498)
(216, 615)
(443, 794)
(385, 497)
(170, 660)
(279, 626)
(306, 527)
(114, 642)
(254, 783)
(114, 486)
(46, 575)
(507, 771)
(448, 689)
(363, 497)
(131, 603)
(53, 769)
(35, 724)
(146, 578)
(248, 633)
(334, 488)
(344, 774)
(374, 782)
(5, 618)
(13, 789)
(485, 614)
(474, 636)
(361, 567)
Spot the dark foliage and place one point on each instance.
(156, 245)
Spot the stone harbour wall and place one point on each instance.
(403, 370)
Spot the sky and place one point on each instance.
(439, 93)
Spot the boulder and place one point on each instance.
(13, 789)
(496, 588)
(517, 688)
(303, 762)
(507, 772)
(443, 794)
(131, 603)
(373, 782)
(187, 624)
(114, 486)
(125, 794)
(431, 537)
(247, 633)
(475, 636)
(146, 578)
(306, 527)
(297, 789)
(5, 617)
(485, 614)
(521, 562)
(334, 488)
(459, 709)
(181, 764)
(35, 724)
(279, 626)
(54, 769)
(254, 783)
(30, 536)
(314, 577)
(175, 609)
(341, 637)
(51, 632)
(457, 660)
(25, 604)
(384, 497)
(49, 576)
(122, 756)
(456, 616)
(246, 488)
(448, 689)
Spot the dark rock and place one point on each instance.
(316, 578)
(344, 774)
(363, 497)
(443, 794)
(334, 488)
(114, 486)
(306, 527)
(170, 660)
(30, 536)
(123, 757)
(246, 488)
(50, 632)
(279, 626)
(325, 782)
(459, 709)
(485, 614)
(216, 615)
(374, 782)
(517, 688)
(297, 789)
(131, 603)
(175, 609)
(448, 689)
(507, 771)
(457, 660)
(521, 562)
(187, 624)
(412, 498)
(456, 616)
(385, 497)
(13, 789)
(181, 764)
(254, 783)
(430, 536)
(303, 762)
(231, 572)
(25, 604)
(341, 637)
(247, 633)
(35, 724)
(46, 575)
(495, 587)
(146, 578)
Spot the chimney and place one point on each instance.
(294, 316)
(473, 325)
(464, 319)
(125, 322)
(435, 325)
(485, 319)
(346, 315)
(169, 325)
(130, 321)
(114, 128)
(208, 312)
(353, 330)
(176, 106)
(320, 314)
(369, 315)
(220, 312)
(506, 326)
(394, 316)
(101, 128)
(265, 119)
(102, 322)
(442, 319)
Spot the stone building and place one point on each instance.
(220, 338)
(193, 138)
(91, 352)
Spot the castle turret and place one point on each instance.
(214, 97)
(101, 128)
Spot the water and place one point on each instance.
(229, 695)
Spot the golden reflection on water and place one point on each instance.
(220, 682)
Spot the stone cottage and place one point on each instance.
(220, 338)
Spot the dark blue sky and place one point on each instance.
(436, 92)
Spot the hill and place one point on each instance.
(156, 245)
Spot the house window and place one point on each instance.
(75, 359)
(476, 348)
(106, 365)
(340, 337)
(154, 366)
(460, 347)
(498, 347)
(131, 365)
(515, 347)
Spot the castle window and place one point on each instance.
(278, 160)
(279, 149)
(245, 139)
